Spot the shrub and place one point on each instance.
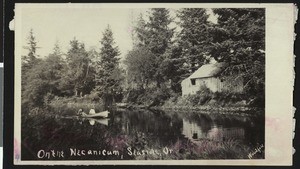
(159, 96)
(201, 97)
(232, 99)
(131, 95)
(150, 96)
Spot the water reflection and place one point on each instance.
(223, 127)
(137, 129)
(194, 131)
(103, 121)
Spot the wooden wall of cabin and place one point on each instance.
(215, 84)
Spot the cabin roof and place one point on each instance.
(208, 70)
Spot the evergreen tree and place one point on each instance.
(239, 40)
(194, 37)
(174, 67)
(30, 59)
(107, 77)
(42, 80)
(55, 65)
(75, 80)
(140, 67)
(57, 50)
(141, 33)
(159, 36)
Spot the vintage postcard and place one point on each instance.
(153, 84)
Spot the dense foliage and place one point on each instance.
(167, 48)
(194, 37)
(237, 38)
(140, 67)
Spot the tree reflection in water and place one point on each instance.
(139, 130)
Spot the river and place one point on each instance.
(142, 135)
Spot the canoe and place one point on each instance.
(103, 114)
(103, 121)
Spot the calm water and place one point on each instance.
(138, 135)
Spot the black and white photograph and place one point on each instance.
(140, 83)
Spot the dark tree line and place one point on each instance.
(77, 73)
(161, 57)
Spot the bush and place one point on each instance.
(201, 97)
(160, 96)
(232, 99)
(149, 97)
(131, 95)
(206, 97)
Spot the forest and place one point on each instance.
(151, 73)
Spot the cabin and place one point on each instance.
(209, 75)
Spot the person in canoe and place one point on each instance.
(92, 111)
(81, 113)
(102, 114)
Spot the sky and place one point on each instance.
(51, 25)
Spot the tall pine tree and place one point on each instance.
(42, 81)
(173, 67)
(194, 37)
(140, 32)
(78, 66)
(239, 40)
(29, 60)
(159, 36)
(107, 77)
(55, 66)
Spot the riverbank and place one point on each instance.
(219, 110)
(64, 106)
(207, 109)
(242, 111)
(210, 108)
(204, 100)
(184, 104)
(239, 106)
